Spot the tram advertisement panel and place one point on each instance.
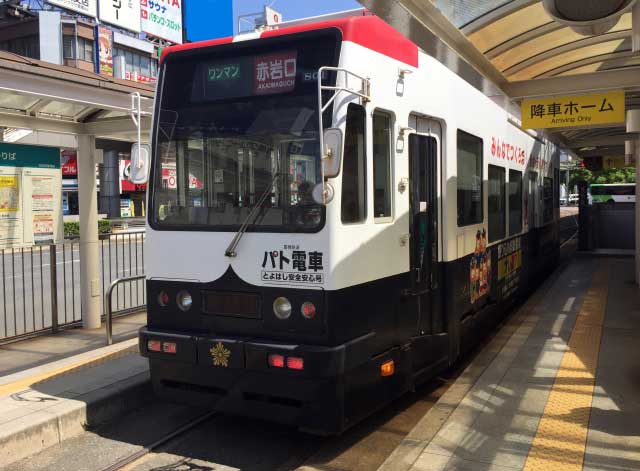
(509, 264)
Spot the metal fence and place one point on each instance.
(40, 289)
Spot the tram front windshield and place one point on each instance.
(236, 129)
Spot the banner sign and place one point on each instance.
(69, 163)
(105, 50)
(574, 110)
(84, 7)
(122, 13)
(162, 19)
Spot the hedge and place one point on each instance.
(72, 229)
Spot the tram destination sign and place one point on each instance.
(574, 110)
(264, 74)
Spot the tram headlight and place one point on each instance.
(308, 310)
(282, 308)
(184, 300)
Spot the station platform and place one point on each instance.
(56, 386)
(557, 388)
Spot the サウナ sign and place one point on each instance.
(574, 110)
(162, 19)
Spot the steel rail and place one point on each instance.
(127, 460)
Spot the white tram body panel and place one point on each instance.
(428, 96)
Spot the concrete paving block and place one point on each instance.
(72, 418)
(41, 419)
(459, 464)
(27, 435)
(404, 457)
(431, 462)
(518, 428)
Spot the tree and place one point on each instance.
(578, 175)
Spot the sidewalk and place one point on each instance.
(25, 354)
(558, 388)
(53, 387)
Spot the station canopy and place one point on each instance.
(56, 99)
(525, 52)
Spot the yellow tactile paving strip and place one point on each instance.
(16, 386)
(561, 438)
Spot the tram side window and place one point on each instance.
(497, 203)
(381, 167)
(353, 203)
(515, 202)
(547, 203)
(469, 179)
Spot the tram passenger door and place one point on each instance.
(423, 220)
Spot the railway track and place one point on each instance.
(133, 457)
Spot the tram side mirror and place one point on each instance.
(140, 163)
(332, 152)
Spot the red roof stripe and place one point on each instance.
(368, 31)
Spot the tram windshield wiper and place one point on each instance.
(231, 249)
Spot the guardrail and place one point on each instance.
(109, 303)
(40, 287)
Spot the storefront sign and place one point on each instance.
(136, 77)
(105, 50)
(162, 18)
(85, 7)
(574, 110)
(69, 163)
(122, 13)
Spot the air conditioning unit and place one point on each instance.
(588, 17)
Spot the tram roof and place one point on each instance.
(368, 31)
(514, 49)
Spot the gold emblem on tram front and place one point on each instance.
(220, 355)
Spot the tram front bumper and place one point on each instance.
(233, 375)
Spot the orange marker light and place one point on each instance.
(387, 368)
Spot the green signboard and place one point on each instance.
(15, 155)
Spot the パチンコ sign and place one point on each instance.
(574, 110)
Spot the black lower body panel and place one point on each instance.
(327, 397)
